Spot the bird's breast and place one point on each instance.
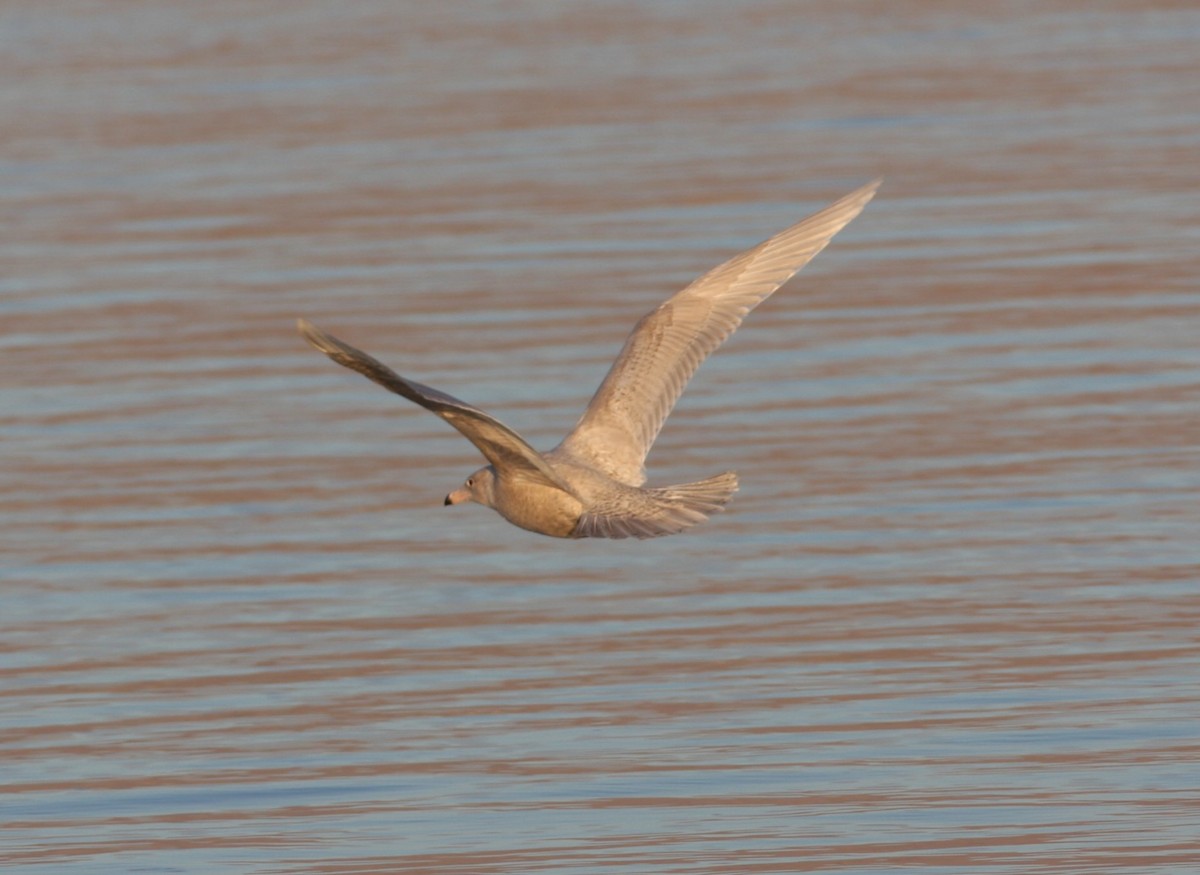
(538, 507)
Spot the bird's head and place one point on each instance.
(478, 488)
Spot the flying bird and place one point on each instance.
(591, 484)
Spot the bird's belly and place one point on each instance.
(538, 508)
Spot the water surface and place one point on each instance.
(949, 624)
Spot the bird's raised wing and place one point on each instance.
(506, 450)
(625, 415)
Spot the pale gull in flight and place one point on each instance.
(590, 485)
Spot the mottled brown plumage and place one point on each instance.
(591, 484)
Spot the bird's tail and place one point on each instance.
(669, 509)
(701, 497)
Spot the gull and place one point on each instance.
(591, 484)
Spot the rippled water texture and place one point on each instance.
(949, 624)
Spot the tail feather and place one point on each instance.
(666, 510)
(704, 496)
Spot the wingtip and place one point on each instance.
(850, 205)
(317, 338)
(867, 191)
(307, 329)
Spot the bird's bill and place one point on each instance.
(458, 496)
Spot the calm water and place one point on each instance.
(950, 623)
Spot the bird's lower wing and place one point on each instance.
(625, 415)
(501, 446)
(655, 512)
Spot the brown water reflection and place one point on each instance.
(948, 624)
